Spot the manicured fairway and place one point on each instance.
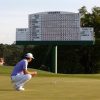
(52, 88)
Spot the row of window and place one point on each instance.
(55, 25)
(21, 30)
(58, 16)
(56, 36)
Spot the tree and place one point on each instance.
(83, 11)
(91, 19)
(96, 20)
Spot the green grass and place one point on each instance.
(49, 86)
(6, 70)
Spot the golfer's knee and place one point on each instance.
(28, 76)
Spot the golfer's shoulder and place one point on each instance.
(23, 60)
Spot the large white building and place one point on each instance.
(87, 34)
(54, 26)
(22, 34)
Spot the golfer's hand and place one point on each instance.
(34, 73)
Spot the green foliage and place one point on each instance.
(91, 19)
(11, 54)
(83, 11)
(77, 59)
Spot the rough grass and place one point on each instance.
(48, 86)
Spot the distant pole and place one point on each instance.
(56, 59)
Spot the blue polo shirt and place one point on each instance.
(20, 66)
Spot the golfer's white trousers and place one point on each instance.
(20, 80)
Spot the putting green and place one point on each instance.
(52, 88)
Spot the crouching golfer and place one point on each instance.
(20, 75)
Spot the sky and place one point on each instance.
(14, 13)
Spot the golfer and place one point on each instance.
(20, 75)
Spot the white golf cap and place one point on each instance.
(29, 55)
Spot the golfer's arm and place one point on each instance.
(26, 72)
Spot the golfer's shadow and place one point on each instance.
(6, 90)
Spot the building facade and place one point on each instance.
(22, 34)
(87, 34)
(54, 26)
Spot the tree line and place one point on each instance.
(71, 58)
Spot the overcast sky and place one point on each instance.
(14, 13)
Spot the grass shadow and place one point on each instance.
(6, 90)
